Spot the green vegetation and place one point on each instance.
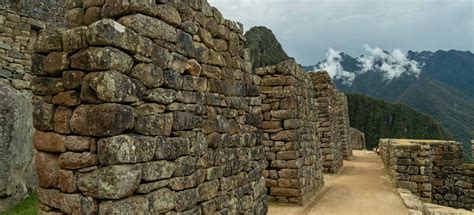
(444, 103)
(265, 50)
(380, 119)
(29, 206)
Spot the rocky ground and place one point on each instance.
(361, 187)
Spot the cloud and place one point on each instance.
(391, 64)
(333, 66)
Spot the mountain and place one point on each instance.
(380, 119)
(443, 89)
(265, 50)
(454, 68)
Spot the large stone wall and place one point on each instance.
(343, 125)
(357, 139)
(292, 147)
(20, 24)
(148, 107)
(432, 170)
(328, 121)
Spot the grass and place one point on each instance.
(29, 206)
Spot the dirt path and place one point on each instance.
(361, 187)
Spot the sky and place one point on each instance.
(308, 29)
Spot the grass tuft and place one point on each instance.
(29, 206)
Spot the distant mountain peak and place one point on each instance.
(265, 50)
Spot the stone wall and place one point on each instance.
(148, 107)
(40, 13)
(292, 147)
(357, 139)
(416, 206)
(20, 24)
(328, 121)
(432, 170)
(343, 125)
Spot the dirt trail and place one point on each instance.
(361, 187)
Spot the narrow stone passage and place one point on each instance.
(361, 187)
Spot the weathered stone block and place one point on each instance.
(287, 155)
(161, 95)
(79, 143)
(185, 166)
(75, 39)
(126, 149)
(186, 121)
(156, 170)
(47, 168)
(48, 43)
(49, 142)
(156, 124)
(68, 98)
(67, 203)
(112, 86)
(149, 27)
(102, 120)
(92, 15)
(107, 32)
(149, 74)
(73, 160)
(101, 58)
(62, 115)
(286, 192)
(72, 79)
(172, 148)
(67, 181)
(118, 181)
(186, 199)
(46, 86)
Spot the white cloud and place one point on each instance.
(333, 66)
(391, 64)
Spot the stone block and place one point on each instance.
(49, 142)
(73, 160)
(101, 58)
(102, 120)
(47, 167)
(126, 149)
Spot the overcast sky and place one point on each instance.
(308, 28)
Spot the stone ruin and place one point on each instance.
(20, 25)
(167, 118)
(330, 117)
(433, 170)
(357, 139)
(290, 136)
(155, 119)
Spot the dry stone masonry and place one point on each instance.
(147, 107)
(152, 107)
(432, 170)
(357, 139)
(343, 125)
(328, 121)
(21, 23)
(292, 147)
